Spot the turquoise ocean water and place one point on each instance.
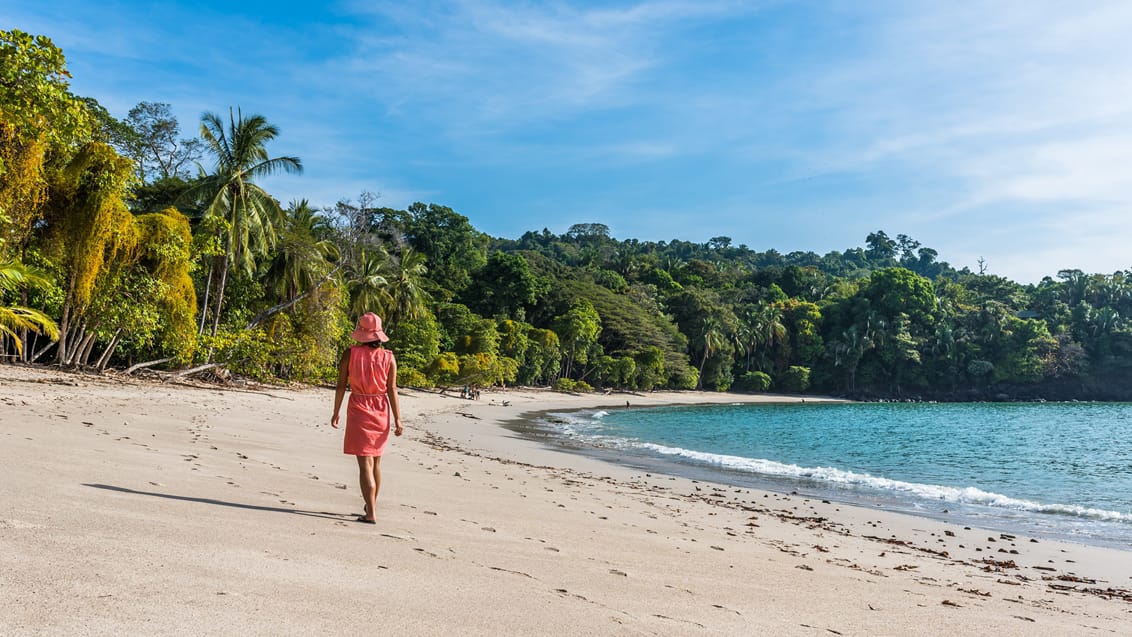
(1052, 469)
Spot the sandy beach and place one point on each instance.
(140, 508)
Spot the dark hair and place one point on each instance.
(372, 344)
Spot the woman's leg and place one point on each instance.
(367, 470)
(376, 477)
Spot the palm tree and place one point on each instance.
(848, 351)
(713, 339)
(301, 259)
(367, 283)
(243, 213)
(770, 330)
(408, 297)
(13, 276)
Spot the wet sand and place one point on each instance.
(133, 507)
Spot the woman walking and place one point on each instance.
(370, 371)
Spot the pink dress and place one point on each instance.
(367, 412)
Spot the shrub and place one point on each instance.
(409, 377)
(571, 385)
(795, 379)
(752, 382)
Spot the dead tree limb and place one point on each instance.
(135, 368)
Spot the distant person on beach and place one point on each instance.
(370, 371)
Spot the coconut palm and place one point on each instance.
(406, 275)
(848, 351)
(367, 283)
(301, 260)
(244, 215)
(14, 276)
(713, 337)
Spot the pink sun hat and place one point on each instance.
(369, 329)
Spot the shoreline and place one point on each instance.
(538, 426)
(135, 507)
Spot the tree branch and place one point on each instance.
(135, 368)
(264, 315)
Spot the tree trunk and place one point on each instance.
(78, 337)
(105, 358)
(207, 289)
(134, 368)
(700, 378)
(64, 325)
(197, 369)
(83, 355)
(264, 315)
(220, 294)
(43, 351)
(23, 332)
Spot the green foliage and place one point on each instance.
(795, 379)
(650, 368)
(483, 368)
(247, 352)
(570, 310)
(567, 385)
(412, 378)
(416, 342)
(451, 246)
(34, 90)
(895, 291)
(578, 329)
(88, 223)
(464, 332)
(540, 361)
(445, 369)
(753, 382)
(244, 216)
(13, 277)
(505, 287)
(687, 378)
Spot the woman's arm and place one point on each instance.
(340, 390)
(391, 393)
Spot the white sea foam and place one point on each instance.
(964, 495)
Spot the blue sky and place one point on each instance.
(999, 129)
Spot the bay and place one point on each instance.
(1058, 470)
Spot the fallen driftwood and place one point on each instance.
(135, 368)
(195, 370)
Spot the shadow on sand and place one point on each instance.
(338, 517)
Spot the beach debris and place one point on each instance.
(1069, 578)
(907, 544)
(804, 567)
(948, 602)
(974, 591)
(996, 566)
